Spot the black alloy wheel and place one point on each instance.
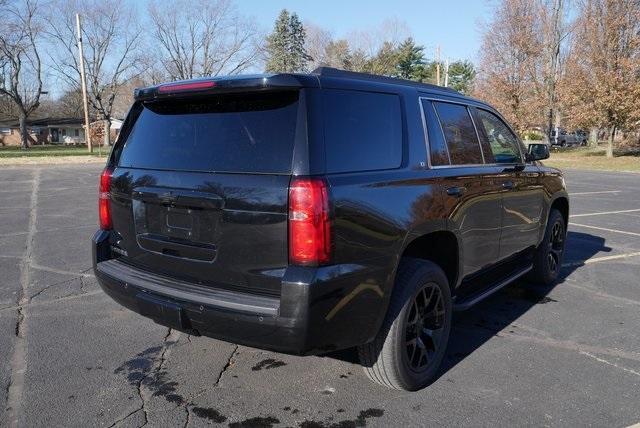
(407, 351)
(547, 260)
(424, 327)
(556, 246)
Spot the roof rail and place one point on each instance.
(336, 72)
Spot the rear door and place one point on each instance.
(200, 188)
(471, 188)
(522, 201)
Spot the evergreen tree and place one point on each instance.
(410, 60)
(285, 45)
(385, 61)
(297, 52)
(278, 44)
(461, 76)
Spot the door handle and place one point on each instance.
(181, 197)
(456, 191)
(508, 185)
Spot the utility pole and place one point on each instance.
(87, 137)
(446, 73)
(438, 65)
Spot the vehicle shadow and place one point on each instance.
(472, 328)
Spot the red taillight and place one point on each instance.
(104, 200)
(309, 228)
(181, 87)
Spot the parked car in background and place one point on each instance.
(560, 137)
(582, 137)
(310, 213)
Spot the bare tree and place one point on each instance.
(69, 104)
(510, 56)
(20, 63)
(603, 84)
(111, 41)
(369, 42)
(317, 41)
(203, 38)
(372, 50)
(555, 33)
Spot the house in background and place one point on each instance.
(44, 131)
(10, 134)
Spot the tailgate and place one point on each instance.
(200, 188)
(223, 230)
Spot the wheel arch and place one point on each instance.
(561, 203)
(440, 247)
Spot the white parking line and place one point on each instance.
(594, 193)
(602, 294)
(601, 259)
(604, 213)
(609, 363)
(605, 229)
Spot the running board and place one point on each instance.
(466, 304)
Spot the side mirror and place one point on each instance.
(537, 151)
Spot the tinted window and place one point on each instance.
(227, 133)
(459, 134)
(437, 147)
(504, 145)
(362, 131)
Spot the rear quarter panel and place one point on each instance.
(376, 213)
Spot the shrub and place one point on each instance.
(532, 135)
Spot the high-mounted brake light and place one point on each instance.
(183, 87)
(309, 227)
(104, 199)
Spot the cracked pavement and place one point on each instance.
(69, 356)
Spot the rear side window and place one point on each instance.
(459, 133)
(438, 154)
(362, 131)
(504, 145)
(248, 132)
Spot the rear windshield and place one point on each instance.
(248, 132)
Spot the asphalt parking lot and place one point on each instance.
(69, 356)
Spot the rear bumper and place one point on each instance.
(319, 310)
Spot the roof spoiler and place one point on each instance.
(215, 85)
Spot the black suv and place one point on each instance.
(309, 213)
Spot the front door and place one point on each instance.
(55, 138)
(522, 212)
(522, 197)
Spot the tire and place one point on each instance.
(398, 357)
(547, 260)
(563, 144)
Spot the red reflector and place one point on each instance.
(181, 87)
(309, 228)
(104, 200)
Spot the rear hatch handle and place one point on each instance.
(180, 197)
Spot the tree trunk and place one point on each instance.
(593, 137)
(612, 134)
(24, 134)
(550, 125)
(107, 132)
